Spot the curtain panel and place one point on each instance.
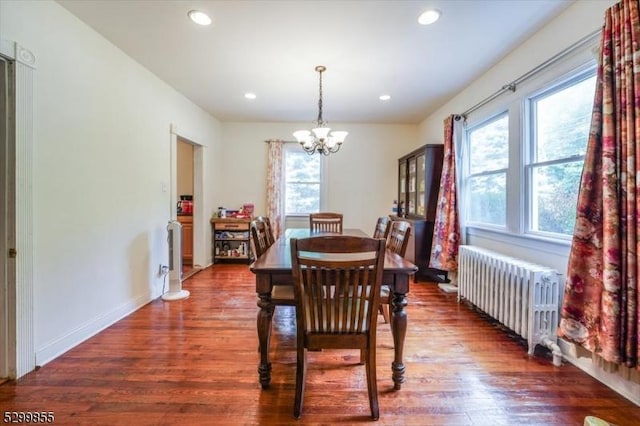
(600, 308)
(274, 186)
(446, 232)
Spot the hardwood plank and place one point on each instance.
(194, 362)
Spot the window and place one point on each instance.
(524, 155)
(488, 148)
(302, 180)
(560, 119)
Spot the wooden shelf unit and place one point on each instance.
(231, 240)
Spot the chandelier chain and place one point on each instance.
(320, 120)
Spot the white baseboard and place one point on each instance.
(625, 381)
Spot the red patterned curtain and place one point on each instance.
(446, 232)
(600, 309)
(274, 186)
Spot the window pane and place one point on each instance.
(302, 167)
(488, 199)
(562, 121)
(302, 182)
(554, 197)
(302, 198)
(489, 146)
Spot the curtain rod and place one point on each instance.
(279, 140)
(511, 87)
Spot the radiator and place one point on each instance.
(522, 296)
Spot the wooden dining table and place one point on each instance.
(274, 267)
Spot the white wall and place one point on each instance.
(102, 156)
(578, 21)
(362, 177)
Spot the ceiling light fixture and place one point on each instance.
(250, 95)
(320, 140)
(385, 97)
(199, 18)
(429, 17)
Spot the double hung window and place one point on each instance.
(302, 181)
(560, 119)
(488, 165)
(523, 165)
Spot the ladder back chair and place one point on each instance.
(382, 227)
(325, 222)
(280, 294)
(269, 230)
(397, 242)
(337, 281)
(259, 235)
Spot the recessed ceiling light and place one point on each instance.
(250, 95)
(429, 17)
(385, 97)
(199, 18)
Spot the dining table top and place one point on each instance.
(278, 256)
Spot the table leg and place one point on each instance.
(399, 328)
(265, 315)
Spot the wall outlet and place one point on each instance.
(163, 270)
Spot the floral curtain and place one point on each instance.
(446, 232)
(600, 308)
(274, 185)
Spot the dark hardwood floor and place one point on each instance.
(194, 362)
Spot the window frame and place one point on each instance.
(530, 160)
(295, 148)
(489, 172)
(579, 63)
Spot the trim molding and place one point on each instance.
(20, 321)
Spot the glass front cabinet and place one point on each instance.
(418, 185)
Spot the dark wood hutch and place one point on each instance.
(418, 185)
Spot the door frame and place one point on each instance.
(18, 355)
(198, 193)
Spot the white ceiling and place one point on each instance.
(271, 48)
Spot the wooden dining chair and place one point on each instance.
(397, 242)
(325, 222)
(260, 238)
(337, 290)
(281, 294)
(382, 227)
(269, 230)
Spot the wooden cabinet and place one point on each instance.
(418, 185)
(187, 238)
(231, 240)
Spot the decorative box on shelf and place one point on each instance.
(231, 239)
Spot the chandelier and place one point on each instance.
(320, 139)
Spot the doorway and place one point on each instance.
(185, 206)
